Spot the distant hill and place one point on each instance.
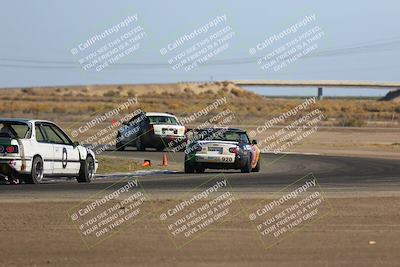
(125, 90)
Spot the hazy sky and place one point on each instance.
(361, 39)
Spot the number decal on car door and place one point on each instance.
(64, 159)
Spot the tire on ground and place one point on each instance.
(200, 170)
(139, 144)
(119, 146)
(257, 167)
(86, 171)
(189, 168)
(247, 167)
(36, 175)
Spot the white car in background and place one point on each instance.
(151, 130)
(33, 149)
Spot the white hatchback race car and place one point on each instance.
(33, 149)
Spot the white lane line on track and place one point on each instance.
(291, 153)
(117, 175)
(132, 174)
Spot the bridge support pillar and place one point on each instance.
(320, 94)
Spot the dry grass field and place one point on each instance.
(71, 104)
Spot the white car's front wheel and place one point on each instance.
(86, 172)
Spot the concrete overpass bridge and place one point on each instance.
(320, 84)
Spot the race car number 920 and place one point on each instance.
(226, 159)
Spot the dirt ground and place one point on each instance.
(358, 231)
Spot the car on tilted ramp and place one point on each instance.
(221, 148)
(33, 149)
(151, 130)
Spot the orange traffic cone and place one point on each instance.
(164, 160)
(146, 163)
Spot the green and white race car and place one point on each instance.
(222, 148)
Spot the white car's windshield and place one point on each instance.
(163, 120)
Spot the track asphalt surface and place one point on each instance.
(277, 171)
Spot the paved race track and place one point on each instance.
(277, 171)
